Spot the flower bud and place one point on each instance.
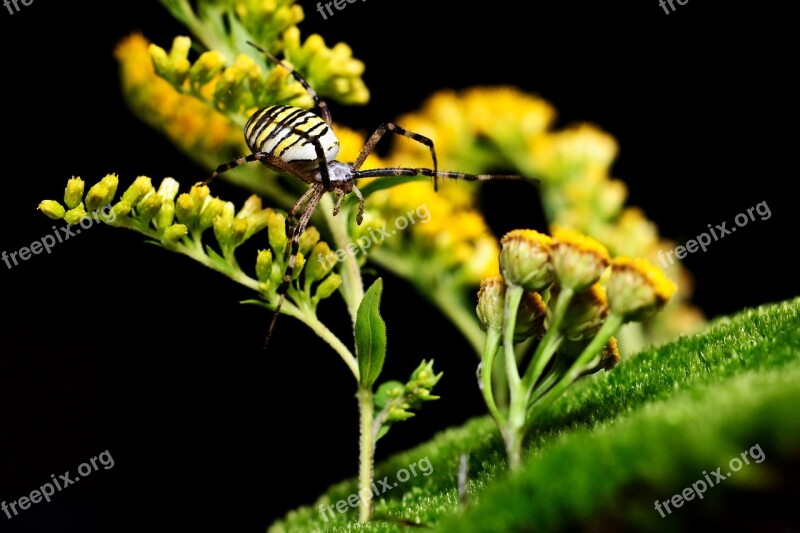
(138, 190)
(168, 189)
(328, 286)
(148, 207)
(264, 265)
(491, 303)
(73, 194)
(585, 314)
(525, 259)
(174, 233)
(578, 260)
(96, 197)
(277, 233)
(308, 239)
(74, 215)
(322, 262)
(637, 289)
(52, 209)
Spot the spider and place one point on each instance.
(296, 142)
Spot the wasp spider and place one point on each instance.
(296, 142)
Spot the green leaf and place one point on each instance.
(370, 333)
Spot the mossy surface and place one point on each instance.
(617, 442)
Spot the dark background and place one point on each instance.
(110, 343)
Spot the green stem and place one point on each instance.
(308, 318)
(610, 327)
(491, 345)
(513, 433)
(352, 284)
(550, 342)
(366, 456)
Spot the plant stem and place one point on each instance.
(610, 327)
(550, 342)
(491, 345)
(513, 433)
(352, 284)
(366, 456)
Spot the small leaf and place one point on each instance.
(370, 334)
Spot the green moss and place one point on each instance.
(613, 445)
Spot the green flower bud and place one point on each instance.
(74, 215)
(174, 233)
(208, 65)
(277, 233)
(180, 48)
(264, 265)
(298, 266)
(138, 190)
(111, 181)
(531, 315)
(328, 286)
(122, 209)
(73, 194)
(214, 207)
(161, 60)
(96, 197)
(52, 209)
(222, 223)
(308, 239)
(322, 262)
(585, 314)
(391, 390)
(238, 231)
(491, 303)
(199, 194)
(525, 259)
(250, 207)
(148, 207)
(165, 214)
(168, 189)
(184, 208)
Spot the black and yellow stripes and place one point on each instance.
(289, 133)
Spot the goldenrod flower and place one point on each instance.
(637, 289)
(73, 194)
(52, 209)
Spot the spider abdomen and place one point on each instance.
(287, 132)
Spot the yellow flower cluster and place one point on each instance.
(485, 128)
(194, 127)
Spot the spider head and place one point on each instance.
(341, 174)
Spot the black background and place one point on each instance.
(109, 343)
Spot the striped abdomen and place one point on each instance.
(285, 132)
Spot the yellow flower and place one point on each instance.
(582, 150)
(525, 259)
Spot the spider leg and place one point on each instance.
(314, 198)
(318, 101)
(293, 213)
(360, 214)
(387, 127)
(268, 159)
(409, 171)
(339, 198)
